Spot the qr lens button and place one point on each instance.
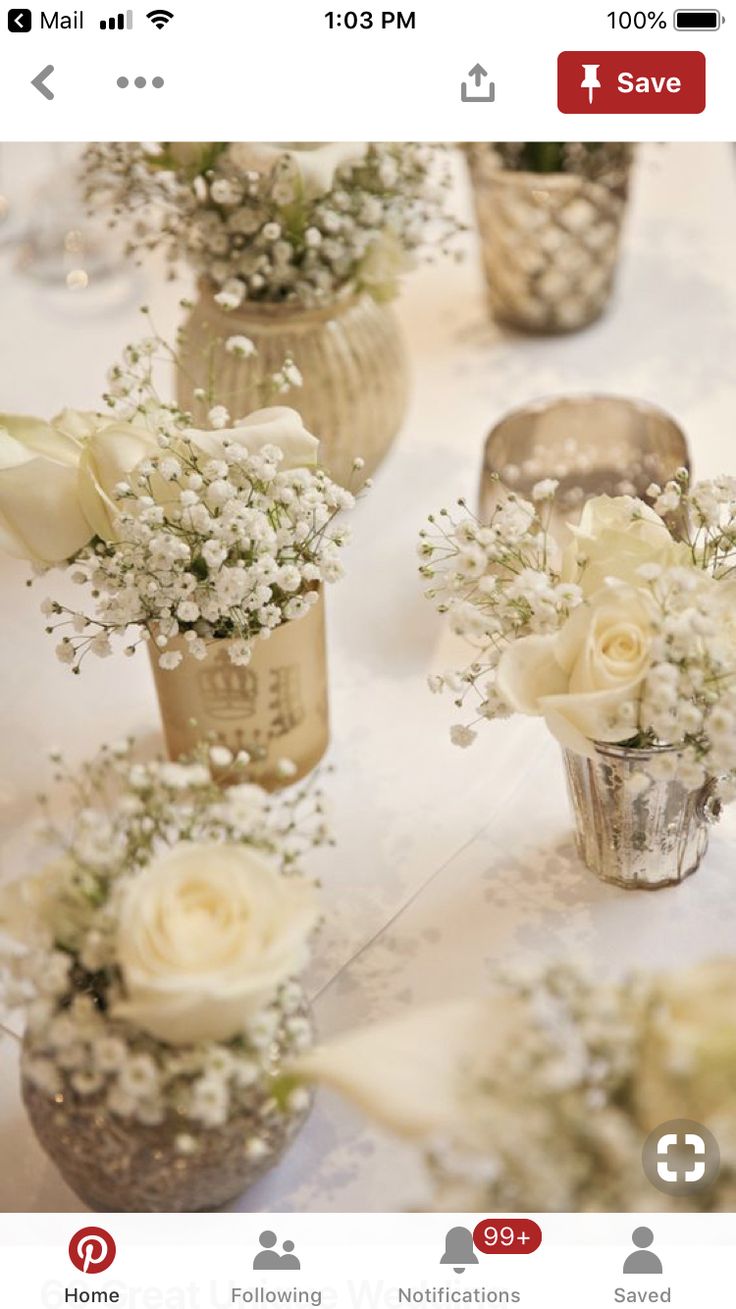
(681, 1157)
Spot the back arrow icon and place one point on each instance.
(40, 79)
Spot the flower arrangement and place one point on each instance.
(597, 161)
(624, 636)
(182, 535)
(163, 943)
(540, 1097)
(274, 223)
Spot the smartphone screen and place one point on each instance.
(368, 655)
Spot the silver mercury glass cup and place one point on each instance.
(591, 444)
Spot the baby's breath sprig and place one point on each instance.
(497, 581)
(279, 224)
(127, 809)
(554, 1120)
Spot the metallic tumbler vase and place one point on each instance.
(549, 243)
(633, 829)
(590, 444)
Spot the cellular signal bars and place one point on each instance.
(117, 24)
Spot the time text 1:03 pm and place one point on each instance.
(387, 19)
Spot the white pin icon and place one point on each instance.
(590, 82)
(92, 1250)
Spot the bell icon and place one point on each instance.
(459, 1249)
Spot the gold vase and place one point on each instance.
(351, 356)
(275, 707)
(549, 241)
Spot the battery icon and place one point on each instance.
(697, 20)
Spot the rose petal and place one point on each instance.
(529, 670)
(38, 438)
(278, 425)
(40, 515)
(579, 720)
(411, 1072)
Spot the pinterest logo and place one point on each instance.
(92, 1250)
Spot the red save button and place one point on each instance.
(622, 82)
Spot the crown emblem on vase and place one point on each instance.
(285, 707)
(227, 690)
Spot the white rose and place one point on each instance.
(412, 1073)
(53, 905)
(385, 263)
(255, 156)
(688, 1066)
(279, 426)
(192, 156)
(78, 424)
(206, 935)
(585, 677)
(23, 903)
(41, 518)
(615, 536)
(316, 166)
(109, 455)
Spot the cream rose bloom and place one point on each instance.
(206, 935)
(278, 425)
(586, 679)
(41, 518)
(49, 907)
(57, 480)
(78, 424)
(385, 263)
(688, 1062)
(315, 165)
(190, 155)
(615, 537)
(412, 1073)
(109, 455)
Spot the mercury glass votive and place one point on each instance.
(120, 1164)
(634, 829)
(550, 240)
(591, 444)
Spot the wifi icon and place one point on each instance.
(160, 17)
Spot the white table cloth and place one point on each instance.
(448, 863)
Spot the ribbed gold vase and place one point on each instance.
(275, 707)
(351, 356)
